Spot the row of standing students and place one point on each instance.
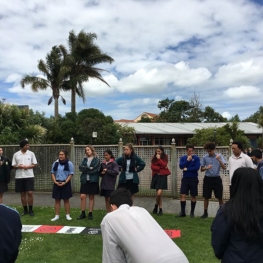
(128, 166)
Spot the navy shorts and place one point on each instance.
(24, 185)
(189, 184)
(213, 184)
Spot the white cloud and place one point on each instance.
(226, 114)
(161, 49)
(243, 92)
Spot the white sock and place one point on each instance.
(68, 217)
(55, 218)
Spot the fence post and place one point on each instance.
(230, 148)
(174, 168)
(120, 147)
(72, 157)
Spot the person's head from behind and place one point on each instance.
(256, 155)
(237, 148)
(210, 148)
(246, 202)
(246, 185)
(120, 197)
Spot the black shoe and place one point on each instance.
(204, 216)
(160, 213)
(31, 213)
(90, 217)
(181, 215)
(82, 216)
(24, 213)
(192, 214)
(155, 209)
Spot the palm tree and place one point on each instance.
(55, 72)
(83, 55)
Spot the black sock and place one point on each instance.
(193, 206)
(183, 203)
(90, 213)
(25, 208)
(83, 213)
(30, 208)
(160, 209)
(155, 206)
(205, 211)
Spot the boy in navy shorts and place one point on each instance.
(190, 165)
(211, 164)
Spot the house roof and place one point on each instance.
(123, 120)
(186, 128)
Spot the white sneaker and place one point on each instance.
(68, 217)
(55, 218)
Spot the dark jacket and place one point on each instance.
(5, 170)
(192, 166)
(10, 233)
(92, 171)
(108, 180)
(139, 164)
(230, 246)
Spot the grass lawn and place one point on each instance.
(80, 248)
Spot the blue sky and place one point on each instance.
(161, 48)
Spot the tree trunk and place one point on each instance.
(56, 108)
(73, 100)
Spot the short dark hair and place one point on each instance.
(257, 153)
(120, 197)
(209, 146)
(189, 146)
(239, 144)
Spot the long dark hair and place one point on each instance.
(163, 155)
(245, 206)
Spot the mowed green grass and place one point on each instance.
(62, 248)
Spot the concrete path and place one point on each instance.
(170, 206)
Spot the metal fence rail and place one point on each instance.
(46, 154)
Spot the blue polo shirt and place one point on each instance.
(215, 170)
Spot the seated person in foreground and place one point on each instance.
(131, 235)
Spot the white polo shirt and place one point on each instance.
(131, 235)
(236, 162)
(27, 158)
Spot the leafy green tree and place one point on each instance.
(145, 119)
(176, 111)
(210, 115)
(93, 120)
(254, 117)
(235, 119)
(126, 133)
(55, 72)
(221, 135)
(83, 57)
